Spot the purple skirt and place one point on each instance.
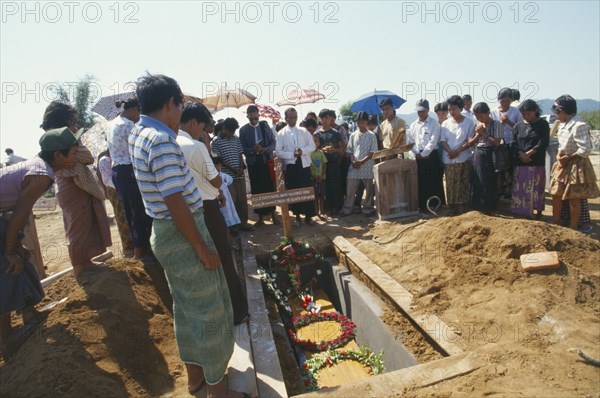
(528, 190)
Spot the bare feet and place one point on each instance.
(195, 378)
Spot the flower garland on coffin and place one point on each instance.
(288, 263)
(310, 369)
(347, 328)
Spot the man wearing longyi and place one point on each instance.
(180, 239)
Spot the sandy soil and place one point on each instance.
(114, 337)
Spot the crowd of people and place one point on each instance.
(177, 182)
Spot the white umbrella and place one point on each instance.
(225, 98)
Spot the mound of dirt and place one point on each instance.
(467, 271)
(113, 336)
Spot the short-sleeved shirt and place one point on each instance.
(389, 129)
(318, 162)
(456, 134)
(574, 137)
(200, 164)
(11, 179)
(160, 167)
(360, 145)
(514, 115)
(117, 137)
(333, 138)
(229, 150)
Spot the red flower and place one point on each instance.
(305, 366)
(307, 383)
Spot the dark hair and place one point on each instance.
(386, 101)
(530, 106)
(217, 160)
(362, 116)
(481, 107)
(128, 103)
(230, 124)
(218, 128)
(8, 151)
(516, 94)
(327, 112)
(252, 109)
(310, 123)
(311, 114)
(505, 92)
(372, 119)
(289, 110)
(48, 156)
(467, 97)
(441, 106)
(566, 103)
(280, 125)
(59, 114)
(456, 100)
(195, 110)
(155, 91)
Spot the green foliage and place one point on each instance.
(592, 118)
(346, 112)
(82, 100)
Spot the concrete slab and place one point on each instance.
(269, 378)
(384, 285)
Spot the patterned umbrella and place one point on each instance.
(106, 108)
(225, 98)
(300, 96)
(266, 111)
(95, 138)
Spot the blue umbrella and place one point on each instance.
(369, 102)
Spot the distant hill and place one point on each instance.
(584, 105)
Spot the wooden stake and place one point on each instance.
(280, 187)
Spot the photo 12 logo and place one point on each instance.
(470, 11)
(69, 11)
(480, 91)
(270, 11)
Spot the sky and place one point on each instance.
(341, 48)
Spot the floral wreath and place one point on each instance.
(310, 368)
(284, 257)
(344, 338)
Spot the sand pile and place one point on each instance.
(113, 336)
(467, 271)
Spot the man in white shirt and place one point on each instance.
(468, 103)
(425, 134)
(11, 158)
(191, 128)
(294, 145)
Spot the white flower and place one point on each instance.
(307, 245)
(274, 257)
(274, 275)
(319, 272)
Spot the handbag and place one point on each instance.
(501, 158)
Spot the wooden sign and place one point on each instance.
(284, 197)
(384, 153)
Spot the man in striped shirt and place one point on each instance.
(180, 240)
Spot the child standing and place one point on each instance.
(228, 209)
(318, 168)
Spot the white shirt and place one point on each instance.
(13, 159)
(468, 113)
(456, 134)
(574, 137)
(425, 135)
(514, 115)
(291, 138)
(105, 167)
(201, 165)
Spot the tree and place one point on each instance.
(592, 118)
(345, 111)
(83, 100)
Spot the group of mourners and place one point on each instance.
(177, 183)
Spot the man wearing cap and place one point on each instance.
(425, 134)
(21, 185)
(391, 126)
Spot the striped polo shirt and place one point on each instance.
(229, 150)
(160, 168)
